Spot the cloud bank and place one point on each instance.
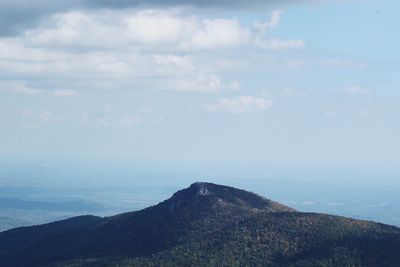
(16, 15)
(145, 48)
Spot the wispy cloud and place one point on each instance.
(293, 93)
(17, 87)
(276, 44)
(240, 104)
(64, 92)
(270, 24)
(356, 90)
(217, 33)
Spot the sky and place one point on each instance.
(275, 84)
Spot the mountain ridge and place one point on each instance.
(204, 225)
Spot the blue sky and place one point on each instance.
(304, 84)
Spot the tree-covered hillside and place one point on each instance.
(205, 225)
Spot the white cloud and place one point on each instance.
(157, 49)
(17, 87)
(114, 117)
(270, 24)
(115, 29)
(343, 63)
(356, 90)
(64, 92)
(35, 119)
(172, 60)
(335, 204)
(203, 83)
(155, 27)
(261, 41)
(293, 93)
(277, 44)
(240, 104)
(44, 116)
(145, 27)
(118, 121)
(167, 30)
(217, 33)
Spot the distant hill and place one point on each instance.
(205, 225)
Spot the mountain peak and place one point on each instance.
(210, 195)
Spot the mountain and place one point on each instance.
(205, 225)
